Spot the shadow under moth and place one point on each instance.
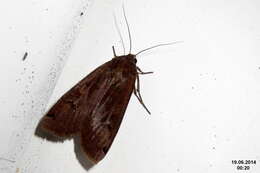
(94, 108)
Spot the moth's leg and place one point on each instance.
(114, 52)
(138, 95)
(138, 84)
(139, 99)
(141, 72)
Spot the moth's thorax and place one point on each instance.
(125, 60)
(124, 65)
(128, 58)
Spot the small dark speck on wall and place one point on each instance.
(25, 56)
(81, 14)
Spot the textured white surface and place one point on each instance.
(203, 94)
(46, 30)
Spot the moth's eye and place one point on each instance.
(135, 60)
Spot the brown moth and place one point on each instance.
(94, 108)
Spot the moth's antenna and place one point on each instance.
(129, 34)
(114, 52)
(119, 33)
(158, 45)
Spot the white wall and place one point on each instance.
(203, 94)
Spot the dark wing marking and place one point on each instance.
(65, 117)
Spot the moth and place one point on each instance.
(94, 108)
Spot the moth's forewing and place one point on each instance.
(94, 108)
(102, 125)
(65, 117)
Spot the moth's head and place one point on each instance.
(131, 58)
